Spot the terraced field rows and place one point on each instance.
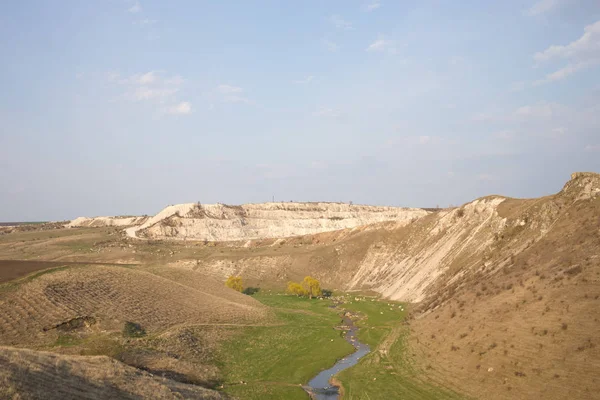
(113, 295)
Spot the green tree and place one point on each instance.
(235, 283)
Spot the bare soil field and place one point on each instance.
(14, 269)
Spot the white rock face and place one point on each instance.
(220, 222)
(96, 222)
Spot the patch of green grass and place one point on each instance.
(65, 340)
(378, 318)
(274, 361)
(387, 372)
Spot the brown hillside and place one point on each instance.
(27, 374)
(111, 295)
(524, 321)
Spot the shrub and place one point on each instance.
(296, 288)
(326, 292)
(131, 329)
(251, 290)
(235, 283)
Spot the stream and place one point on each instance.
(319, 387)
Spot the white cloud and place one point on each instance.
(581, 54)
(542, 110)
(327, 112)
(136, 8)
(148, 93)
(587, 44)
(331, 46)
(155, 88)
(382, 45)
(182, 108)
(564, 72)
(308, 79)
(543, 6)
(148, 77)
(374, 5)
(236, 99)
(341, 23)
(146, 21)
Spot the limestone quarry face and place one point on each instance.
(97, 222)
(220, 222)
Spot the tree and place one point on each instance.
(235, 283)
(296, 288)
(311, 286)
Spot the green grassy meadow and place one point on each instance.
(388, 371)
(274, 361)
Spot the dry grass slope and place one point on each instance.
(113, 295)
(32, 375)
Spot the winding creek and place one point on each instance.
(319, 387)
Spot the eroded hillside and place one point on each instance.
(221, 222)
(28, 374)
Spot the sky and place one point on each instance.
(120, 107)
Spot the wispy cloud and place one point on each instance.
(581, 54)
(543, 7)
(538, 111)
(306, 80)
(147, 93)
(152, 86)
(142, 79)
(341, 23)
(373, 5)
(330, 46)
(182, 108)
(135, 8)
(382, 45)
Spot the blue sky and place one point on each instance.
(123, 107)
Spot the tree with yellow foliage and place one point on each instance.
(296, 288)
(235, 283)
(311, 286)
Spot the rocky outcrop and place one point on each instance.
(221, 222)
(98, 222)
